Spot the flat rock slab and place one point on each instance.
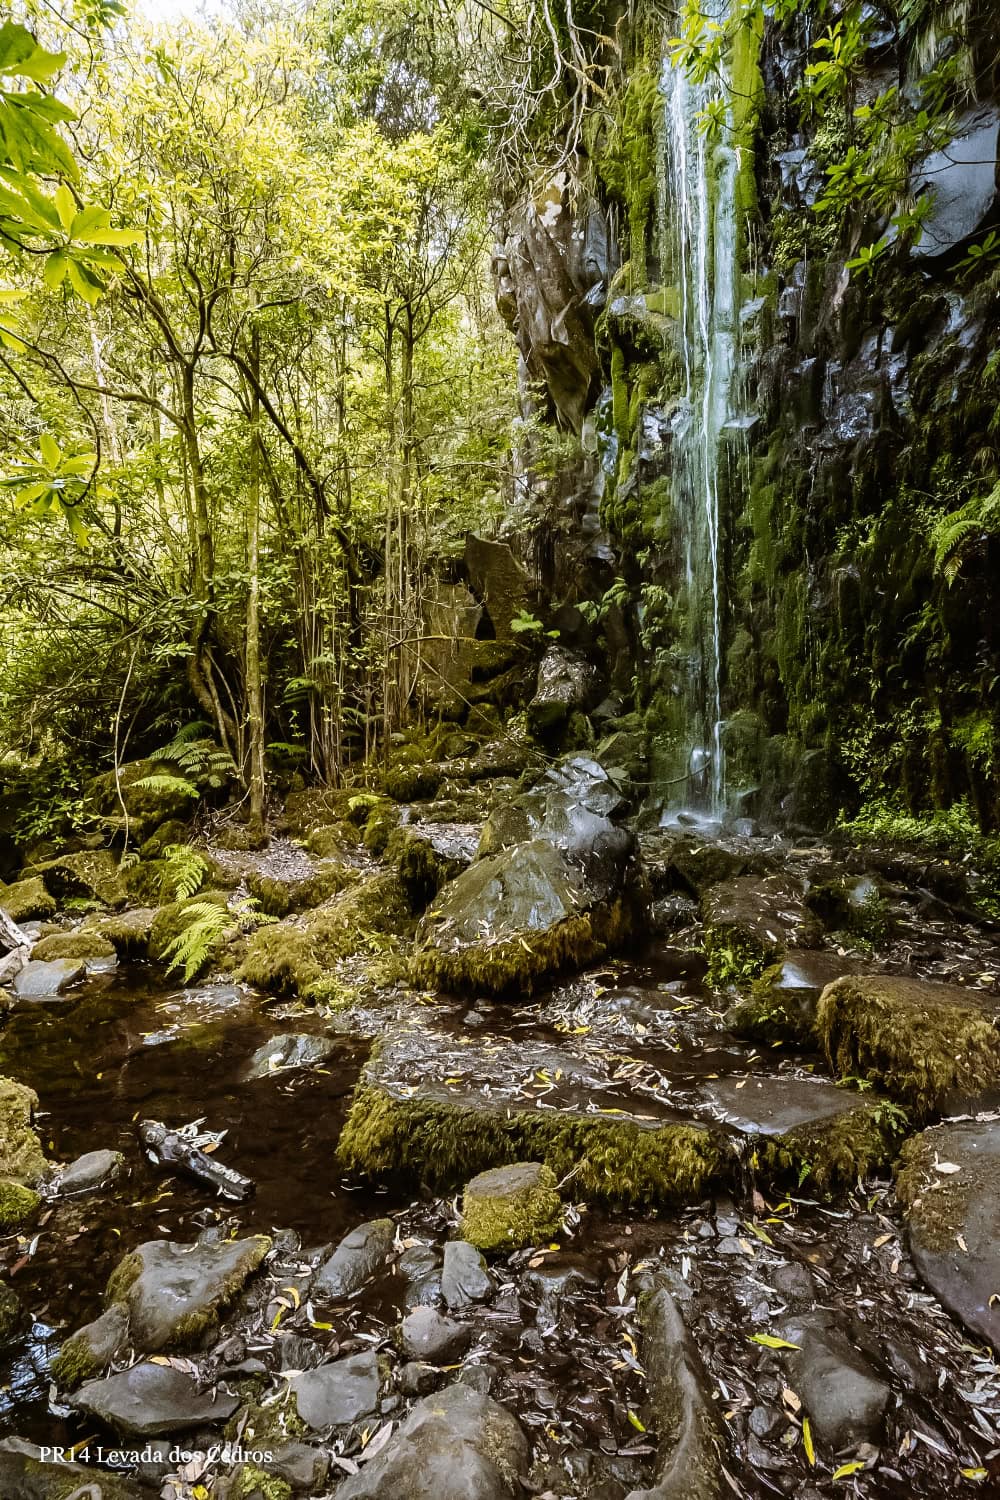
(954, 1219)
(924, 1044)
(762, 1104)
(41, 981)
(149, 1400)
(174, 1293)
(359, 1256)
(338, 1394)
(24, 1476)
(458, 1445)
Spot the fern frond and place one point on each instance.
(192, 949)
(951, 534)
(186, 870)
(161, 781)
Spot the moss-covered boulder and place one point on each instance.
(27, 900)
(167, 836)
(949, 1183)
(153, 791)
(929, 1046)
(18, 1204)
(781, 1006)
(427, 856)
(330, 840)
(91, 875)
(513, 921)
(24, 1475)
(128, 932)
(751, 922)
(86, 943)
(295, 957)
(11, 1311)
(174, 919)
(279, 897)
(509, 1207)
(174, 1294)
(146, 882)
(21, 1156)
(408, 783)
(90, 1350)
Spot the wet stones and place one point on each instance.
(335, 1395)
(750, 922)
(43, 981)
(26, 900)
(174, 1293)
(689, 1460)
(432, 1339)
(845, 1398)
(25, 1475)
(510, 1207)
(922, 1043)
(566, 684)
(96, 1169)
(782, 1004)
(21, 1158)
(360, 1254)
(150, 1400)
(949, 1181)
(453, 1446)
(464, 1277)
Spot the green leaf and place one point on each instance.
(20, 54)
(770, 1342)
(65, 205)
(49, 449)
(30, 493)
(83, 282)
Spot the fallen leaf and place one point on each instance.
(807, 1441)
(770, 1342)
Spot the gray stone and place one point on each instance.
(794, 1285)
(954, 1219)
(464, 1279)
(302, 1467)
(360, 1254)
(558, 1276)
(41, 981)
(92, 1348)
(963, 179)
(336, 1395)
(416, 1379)
(293, 1049)
(499, 581)
(149, 1400)
(689, 1462)
(774, 1106)
(566, 683)
(432, 1338)
(420, 1268)
(94, 1170)
(457, 1445)
(178, 1291)
(844, 1397)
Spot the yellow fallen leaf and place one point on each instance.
(976, 1474)
(770, 1342)
(635, 1422)
(807, 1441)
(846, 1469)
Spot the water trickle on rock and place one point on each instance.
(699, 252)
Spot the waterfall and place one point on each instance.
(699, 252)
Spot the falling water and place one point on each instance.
(699, 249)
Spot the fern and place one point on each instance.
(952, 536)
(361, 800)
(191, 950)
(197, 755)
(162, 782)
(186, 870)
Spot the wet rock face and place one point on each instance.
(783, 1004)
(499, 581)
(566, 683)
(751, 921)
(464, 1278)
(150, 1400)
(92, 1348)
(174, 1293)
(458, 1445)
(950, 1183)
(844, 1396)
(337, 1394)
(508, 1207)
(360, 1254)
(963, 178)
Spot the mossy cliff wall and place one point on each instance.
(859, 540)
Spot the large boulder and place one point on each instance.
(153, 791)
(27, 900)
(689, 1458)
(458, 1445)
(962, 178)
(337, 1394)
(949, 1180)
(25, 1474)
(40, 980)
(92, 874)
(572, 806)
(175, 1293)
(566, 684)
(782, 1004)
(930, 1046)
(498, 580)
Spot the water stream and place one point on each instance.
(699, 252)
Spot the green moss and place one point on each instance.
(254, 1484)
(422, 870)
(173, 831)
(836, 1153)
(127, 932)
(499, 1214)
(330, 841)
(21, 1156)
(27, 900)
(146, 882)
(773, 1013)
(919, 1042)
(11, 1311)
(409, 783)
(75, 1363)
(122, 1279)
(18, 1204)
(73, 945)
(613, 1161)
(54, 1483)
(276, 1423)
(942, 1201)
(296, 957)
(735, 958)
(93, 873)
(379, 824)
(623, 149)
(279, 897)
